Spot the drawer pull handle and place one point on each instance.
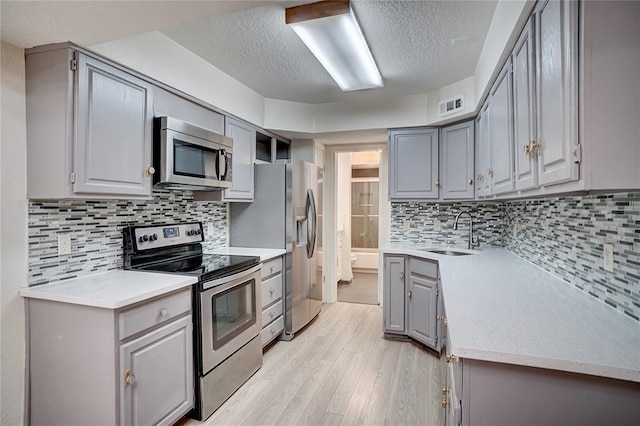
(271, 290)
(272, 269)
(164, 312)
(273, 331)
(129, 378)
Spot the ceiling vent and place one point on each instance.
(449, 106)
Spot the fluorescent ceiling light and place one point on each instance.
(330, 30)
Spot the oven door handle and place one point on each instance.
(228, 279)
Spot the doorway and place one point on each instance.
(359, 223)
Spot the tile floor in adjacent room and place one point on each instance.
(363, 288)
(339, 370)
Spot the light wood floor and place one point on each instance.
(339, 370)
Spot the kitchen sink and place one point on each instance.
(448, 252)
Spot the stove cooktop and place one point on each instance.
(204, 266)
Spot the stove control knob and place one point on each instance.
(153, 237)
(189, 233)
(144, 238)
(198, 231)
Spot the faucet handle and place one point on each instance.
(475, 242)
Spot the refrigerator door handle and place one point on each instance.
(311, 204)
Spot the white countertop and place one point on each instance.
(264, 253)
(501, 308)
(111, 290)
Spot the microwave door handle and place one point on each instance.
(221, 164)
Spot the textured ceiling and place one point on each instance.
(418, 45)
(32, 23)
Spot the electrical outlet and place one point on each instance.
(608, 257)
(64, 244)
(210, 229)
(406, 224)
(437, 225)
(515, 230)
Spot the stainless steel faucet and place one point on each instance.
(472, 242)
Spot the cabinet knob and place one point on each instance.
(444, 402)
(445, 322)
(273, 269)
(527, 149)
(271, 290)
(444, 391)
(401, 275)
(479, 177)
(410, 294)
(273, 331)
(490, 172)
(129, 378)
(151, 171)
(448, 357)
(437, 183)
(272, 314)
(164, 312)
(470, 181)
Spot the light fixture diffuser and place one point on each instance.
(330, 30)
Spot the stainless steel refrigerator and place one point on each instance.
(285, 214)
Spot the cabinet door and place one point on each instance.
(413, 164)
(114, 118)
(423, 305)
(501, 133)
(244, 145)
(523, 109)
(483, 153)
(457, 151)
(556, 88)
(394, 288)
(161, 366)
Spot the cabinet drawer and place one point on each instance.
(423, 267)
(271, 313)
(158, 311)
(271, 267)
(272, 331)
(271, 290)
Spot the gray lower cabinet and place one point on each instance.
(272, 288)
(492, 393)
(118, 367)
(89, 127)
(413, 164)
(393, 294)
(412, 305)
(422, 302)
(457, 161)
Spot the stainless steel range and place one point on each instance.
(226, 304)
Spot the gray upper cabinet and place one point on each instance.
(483, 153)
(413, 164)
(114, 118)
(556, 88)
(523, 59)
(457, 160)
(393, 293)
(89, 127)
(501, 133)
(244, 154)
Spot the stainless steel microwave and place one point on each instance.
(189, 157)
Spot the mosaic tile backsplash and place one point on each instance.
(488, 223)
(563, 235)
(95, 228)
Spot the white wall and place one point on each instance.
(508, 16)
(13, 228)
(159, 57)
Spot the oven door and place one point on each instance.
(229, 315)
